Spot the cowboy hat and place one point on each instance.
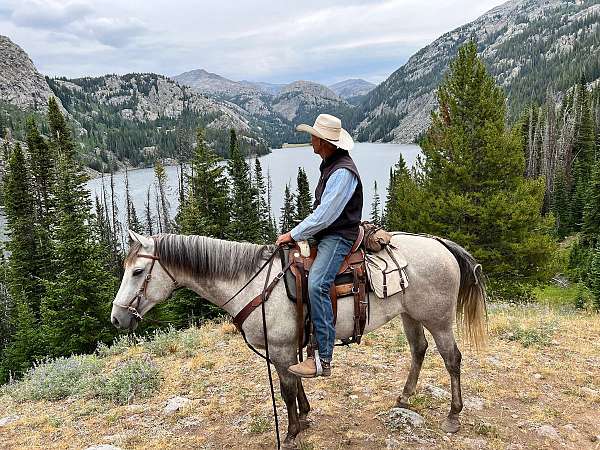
(329, 128)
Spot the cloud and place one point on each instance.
(48, 14)
(267, 40)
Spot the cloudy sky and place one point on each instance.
(264, 40)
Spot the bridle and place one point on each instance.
(141, 293)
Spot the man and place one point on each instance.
(334, 224)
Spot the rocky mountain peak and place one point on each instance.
(20, 82)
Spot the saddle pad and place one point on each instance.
(386, 271)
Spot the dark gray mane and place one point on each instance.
(209, 257)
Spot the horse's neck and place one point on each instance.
(219, 291)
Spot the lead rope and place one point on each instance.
(267, 358)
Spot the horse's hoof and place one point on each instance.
(289, 445)
(401, 404)
(304, 424)
(450, 425)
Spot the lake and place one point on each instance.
(372, 159)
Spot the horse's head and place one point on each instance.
(146, 282)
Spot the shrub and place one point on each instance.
(118, 346)
(163, 342)
(56, 379)
(136, 378)
(539, 335)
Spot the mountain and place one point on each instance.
(212, 84)
(274, 108)
(139, 117)
(528, 45)
(21, 85)
(354, 87)
(267, 88)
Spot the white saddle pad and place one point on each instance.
(386, 271)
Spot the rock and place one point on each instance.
(477, 443)
(537, 376)
(392, 443)
(494, 361)
(103, 447)
(8, 419)
(548, 431)
(354, 397)
(174, 404)
(404, 418)
(437, 392)
(590, 392)
(474, 403)
(570, 427)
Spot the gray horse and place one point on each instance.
(445, 282)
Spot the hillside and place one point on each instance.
(520, 393)
(21, 84)
(353, 87)
(528, 45)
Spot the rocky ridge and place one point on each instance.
(353, 87)
(21, 84)
(526, 44)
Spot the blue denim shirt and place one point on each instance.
(338, 191)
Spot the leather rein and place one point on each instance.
(141, 293)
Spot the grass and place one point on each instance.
(575, 295)
(540, 367)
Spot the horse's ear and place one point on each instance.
(133, 236)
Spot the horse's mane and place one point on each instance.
(205, 256)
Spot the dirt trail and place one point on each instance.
(537, 385)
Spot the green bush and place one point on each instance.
(57, 379)
(511, 292)
(118, 346)
(136, 378)
(163, 342)
(539, 335)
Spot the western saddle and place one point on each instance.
(351, 280)
(296, 261)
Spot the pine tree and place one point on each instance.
(268, 231)
(24, 269)
(288, 213)
(591, 214)
(76, 305)
(376, 207)
(583, 154)
(473, 175)
(133, 222)
(162, 202)
(594, 277)
(204, 210)
(243, 197)
(405, 207)
(149, 225)
(303, 198)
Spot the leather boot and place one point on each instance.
(308, 368)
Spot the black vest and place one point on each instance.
(347, 222)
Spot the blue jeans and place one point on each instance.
(331, 252)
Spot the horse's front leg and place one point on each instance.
(289, 392)
(303, 406)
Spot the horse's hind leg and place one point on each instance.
(446, 345)
(289, 392)
(418, 346)
(303, 406)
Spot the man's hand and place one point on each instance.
(284, 239)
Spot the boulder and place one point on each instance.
(8, 419)
(404, 418)
(174, 404)
(549, 432)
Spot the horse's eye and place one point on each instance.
(137, 272)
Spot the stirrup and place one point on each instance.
(318, 364)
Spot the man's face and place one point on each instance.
(316, 144)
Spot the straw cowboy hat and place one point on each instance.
(329, 128)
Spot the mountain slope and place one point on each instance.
(526, 44)
(353, 87)
(21, 84)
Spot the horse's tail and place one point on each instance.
(471, 311)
